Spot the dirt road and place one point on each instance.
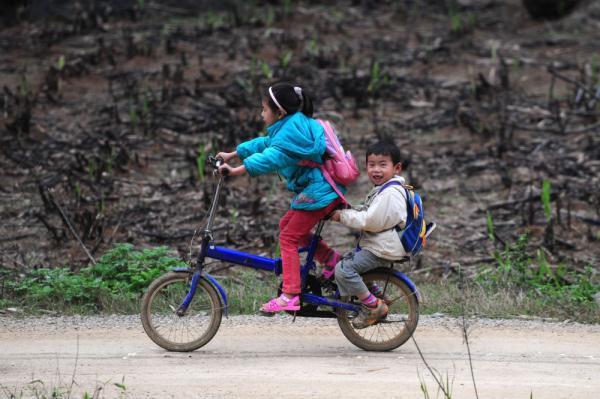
(257, 357)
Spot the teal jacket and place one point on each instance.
(290, 140)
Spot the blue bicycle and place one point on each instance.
(182, 310)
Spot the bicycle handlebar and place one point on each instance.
(215, 163)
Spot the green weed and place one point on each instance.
(444, 385)
(460, 22)
(287, 8)
(215, 20)
(285, 59)
(113, 284)
(490, 227)
(77, 191)
(269, 17)
(60, 64)
(455, 22)
(376, 80)
(146, 105)
(91, 168)
(23, 87)
(558, 290)
(313, 47)
(266, 70)
(39, 389)
(117, 281)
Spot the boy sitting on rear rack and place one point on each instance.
(383, 212)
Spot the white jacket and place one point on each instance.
(377, 218)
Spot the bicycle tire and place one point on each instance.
(396, 328)
(177, 333)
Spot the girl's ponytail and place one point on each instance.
(287, 99)
(307, 105)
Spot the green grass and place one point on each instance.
(247, 290)
(113, 285)
(518, 284)
(116, 283)
(445, 297)
(39, 389)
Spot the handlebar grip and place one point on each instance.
(220, 161)
(215, 163)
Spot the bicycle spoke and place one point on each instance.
(396, 327)
(172, 329)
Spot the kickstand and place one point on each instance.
(294, 319)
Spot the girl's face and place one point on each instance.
(381, 168)
(267, 114)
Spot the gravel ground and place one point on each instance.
(117, 322)
(253, 356)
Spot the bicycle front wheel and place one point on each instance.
(190, 330)
(399, 324)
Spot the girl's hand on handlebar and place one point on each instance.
(227, 156)
(227, 170)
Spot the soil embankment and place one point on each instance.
(106, 108)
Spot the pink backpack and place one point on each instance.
(338, 165)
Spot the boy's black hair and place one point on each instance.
(385, 148)
(290, 101)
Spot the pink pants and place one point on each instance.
(294, 232)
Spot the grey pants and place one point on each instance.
(348, 270)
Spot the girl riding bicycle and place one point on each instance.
(293, 136)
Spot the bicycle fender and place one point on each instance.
(404, 278)
(222, 292)
(212, 281)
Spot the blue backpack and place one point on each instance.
(414, 234)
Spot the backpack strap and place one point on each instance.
(389, 184)
(327, 176)
(410, 202)
(329, 179)
(409, 198)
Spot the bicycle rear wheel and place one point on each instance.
(399, 324)
(190, 331)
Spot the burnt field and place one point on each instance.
(108, 108)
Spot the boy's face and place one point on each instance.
(381, 168)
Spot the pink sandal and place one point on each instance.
(291, 304)
(329, 267)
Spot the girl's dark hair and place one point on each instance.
(385, 148)
(289, 99)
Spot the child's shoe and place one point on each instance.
(291, 304)
(369, 316)
(329, 267)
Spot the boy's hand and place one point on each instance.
(336, 216)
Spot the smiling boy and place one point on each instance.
(383, 211)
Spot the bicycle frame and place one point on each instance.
(208, 250)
